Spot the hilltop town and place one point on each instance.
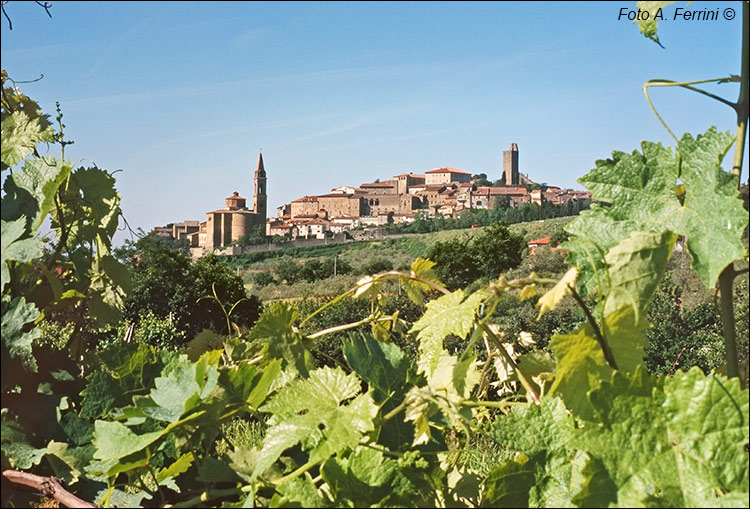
(442, 191)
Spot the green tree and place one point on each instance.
(456, 263)
(497, 249)
(166, 283)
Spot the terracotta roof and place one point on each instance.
(539, 242)
(387, 183)
(499, 190)
(306, 198)
(335, 195)
(448, 170)
(235, 196)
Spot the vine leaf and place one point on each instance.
(382, 365)
(647, 23)
(21, 133)
(183, 387)
(178, 467)
(313, 412)
(31, 192)
(16, 314)
(14, 247)
(641, 191)
(16, 446)
(651, 429)
(448, 314)
(552, 298)
(366, 478)
(450, 383)
(249, 385)
(274, 330)
(415, 290)
(114, 440)
(580, 362)
(635, 267)
(547, 471)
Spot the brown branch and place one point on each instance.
(48, 486)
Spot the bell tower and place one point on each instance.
(259, 190)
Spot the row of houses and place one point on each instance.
(442, 191)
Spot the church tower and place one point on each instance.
(259, 191)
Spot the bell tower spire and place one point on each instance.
(259, 191)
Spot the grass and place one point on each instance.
(400, 251)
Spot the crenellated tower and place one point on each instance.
(510, 165)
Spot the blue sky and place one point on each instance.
(181, 96)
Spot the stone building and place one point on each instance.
(341, 204)
(446, 176)
(405, 181)
(235, 220)
(510, 165)
(487, 197)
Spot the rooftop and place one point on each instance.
(448, 170)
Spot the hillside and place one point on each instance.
(354, 259)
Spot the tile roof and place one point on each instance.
(539, 242)
(448, 170)
(306, 198)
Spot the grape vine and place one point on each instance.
(581, 424)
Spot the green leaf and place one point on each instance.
(114, 440)
(20, 134)
(110, 282)
(641, 191)
(450, 383)
(180, 466)
(16, 314)
(249, 385)
(366, 478)
(30, 193)
(16, 248)
(548, 470)
(67, 462)
(448, 314)
(298, 492)
(16, 447)
(276, 332)
(647, 22)
(382, 365)
(313, 412)
(175, 392)
(635, 267)
(626, 338)
(580, 364)
(535, 428)
(678, 440)
(508, 485)
(552, 298)
(416, 290)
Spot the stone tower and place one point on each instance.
(259, 191)
(510, 165)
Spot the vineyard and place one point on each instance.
(434, 404)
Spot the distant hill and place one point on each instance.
(355, 259)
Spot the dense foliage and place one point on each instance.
(461, 262)
(394, 417)
(480, 217)
(166, 283)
